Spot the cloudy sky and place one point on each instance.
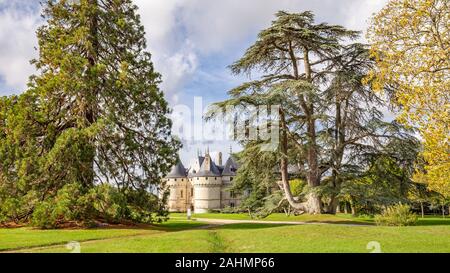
(192, 41)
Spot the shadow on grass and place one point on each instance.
(250, 226)
(179, 226)
(433, 222)
(356, 223)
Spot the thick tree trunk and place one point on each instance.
(89, 103)
(313, 203)
(338, 208)
(333, 205)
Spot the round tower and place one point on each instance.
(207, 183)
(179, 189)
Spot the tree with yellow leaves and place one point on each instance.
(411, 45)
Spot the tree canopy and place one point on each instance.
(329, 119)
(411, 45)
(93, 113)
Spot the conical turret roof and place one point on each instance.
(208, 168)
(231, 167)
(178, 171)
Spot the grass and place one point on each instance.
(17, 238)
(264, 238)
(323, 218)
(181, 236)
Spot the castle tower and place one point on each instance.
(179, 189)
(207, 183)
(229, 198)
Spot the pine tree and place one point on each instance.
(94, 112)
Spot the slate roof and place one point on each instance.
(208, 169)
(178, 171)
(231, 167)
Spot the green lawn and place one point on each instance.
(261, 238)
(324, 218)
(17, 238)
(178, 236)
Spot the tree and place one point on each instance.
(385, 178)
(411, 44)
(315, 75)
(94, 113)
(256, 178)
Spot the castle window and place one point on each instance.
(232, 195)
(192, 192)
(231, 178)
(215, 178)
(181, 193)
(197, 178)
(232, 205)
(175, 180)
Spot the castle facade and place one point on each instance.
(204, 186)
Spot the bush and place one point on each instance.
(397, 215)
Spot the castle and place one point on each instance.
(202, 187)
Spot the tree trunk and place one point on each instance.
(333, 205)
(338, 208)
(352, 207)
(89, 107)
(313, 204)
(345, 208)
(422, 210)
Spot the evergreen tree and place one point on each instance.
(94, 112)
(328, 117)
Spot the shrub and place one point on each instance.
(397, 215)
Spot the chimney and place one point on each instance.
(220, 159)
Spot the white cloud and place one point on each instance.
(179, 32)
(17, 42)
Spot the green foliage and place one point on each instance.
(297, 186)
(69, 204)
(397, 215)
(330, 120)
(93, 113)
(255, 178)
(101, 203)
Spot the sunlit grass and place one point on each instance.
(269, 238)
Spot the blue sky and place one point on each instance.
(192, 41)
